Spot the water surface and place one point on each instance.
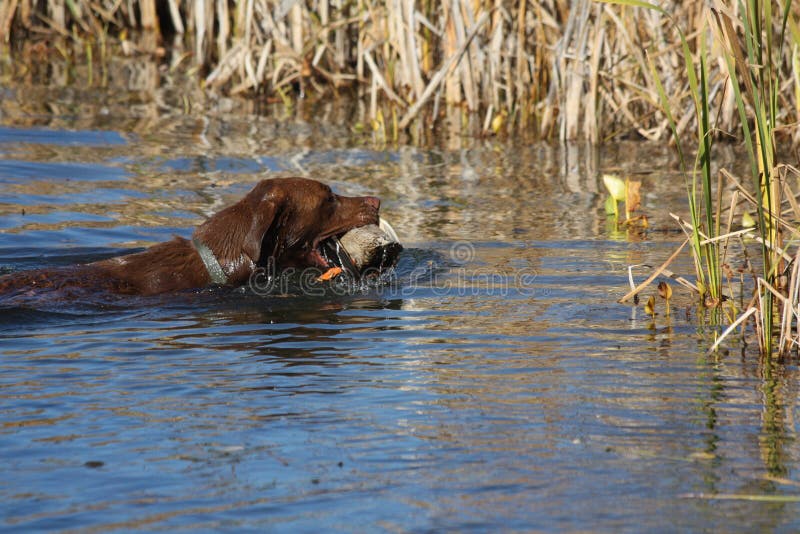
(493, 384)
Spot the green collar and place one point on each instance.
(210, 261)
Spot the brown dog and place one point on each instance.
(281, 221)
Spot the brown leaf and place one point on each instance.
(633, 198)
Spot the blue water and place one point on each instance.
(493, 384)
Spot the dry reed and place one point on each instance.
(572, 70)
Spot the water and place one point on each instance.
(493, 384)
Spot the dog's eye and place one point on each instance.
(331, 197)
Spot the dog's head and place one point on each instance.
(284, 221)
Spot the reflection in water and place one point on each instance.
(494, 383)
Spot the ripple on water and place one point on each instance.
(494, 382)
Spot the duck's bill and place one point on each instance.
(384, 225)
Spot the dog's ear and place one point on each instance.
(267, 203)
(243, 227)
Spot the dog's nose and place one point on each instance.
(375, 202)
